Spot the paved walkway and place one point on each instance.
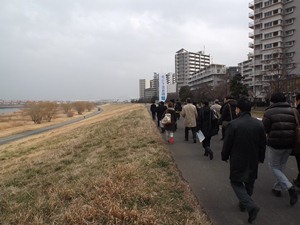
(209, 180)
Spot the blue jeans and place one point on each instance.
(277, 159)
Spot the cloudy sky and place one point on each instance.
(99, 49)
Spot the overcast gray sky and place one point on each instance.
(99, 49)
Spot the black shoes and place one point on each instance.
(208, 152)
(293, 196)
(296, 183)
(253, 214)
(205, 152)
(276, 193)
(242, 207)
(195, 141)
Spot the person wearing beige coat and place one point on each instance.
(189, 113)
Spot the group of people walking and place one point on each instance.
(247, 141)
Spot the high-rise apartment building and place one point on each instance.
(187, 63)
(275, 42)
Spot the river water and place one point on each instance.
(8, 110)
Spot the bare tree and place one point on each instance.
(66, 107)
(279, 67)
(50, 109)
(79, 106)
(36, 111)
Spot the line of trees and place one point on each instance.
(46, 110)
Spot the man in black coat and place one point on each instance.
(244, 145)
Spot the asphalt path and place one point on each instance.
(209, 181)
(19, 136)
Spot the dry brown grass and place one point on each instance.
(109, 169)
(19, 121)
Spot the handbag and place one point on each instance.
(166, 119)
(296, 149)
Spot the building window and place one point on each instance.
(268, 14)
(268, 35)
(267, 25)
(289, 21)
(289, 10)
(289, 43)
(289, 32)
(267, 46)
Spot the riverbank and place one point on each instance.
(112, 168)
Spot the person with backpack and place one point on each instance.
(160, 110)
(178, 108)
(169, 121)
(207, 122)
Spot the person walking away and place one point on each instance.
(227, 113)
(244, 145)
(178, 108)
(216, 107)
(279, 122)
(297, 154)
(206, 122)
(160, 110)
(189, 112)
(153, 110)
(170, 128)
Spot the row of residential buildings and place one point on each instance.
(274, 56)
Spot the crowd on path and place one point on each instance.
(247, 141)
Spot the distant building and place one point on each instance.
(188, 63)
(212, 75)
(143, 85)
(275, 34)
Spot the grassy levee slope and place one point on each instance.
(113, 168)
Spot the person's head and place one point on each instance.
(243, 105)
(205, 103)
(217, 101)
(170, 104)
(188, 100)
(227, 98)
(278, 97)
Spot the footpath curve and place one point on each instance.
(25, 134)
(209, 181)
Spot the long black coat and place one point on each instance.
(245, 146)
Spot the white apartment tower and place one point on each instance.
(187, 63)
(275, 41)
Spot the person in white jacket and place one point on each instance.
(189, 113)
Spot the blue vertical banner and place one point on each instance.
(162, 88)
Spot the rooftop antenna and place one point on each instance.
(204, 49)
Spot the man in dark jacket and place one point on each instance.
(280, 123)
(245, 145)
(297, 154)
(207, 123)
(153, 110)
(160, 110)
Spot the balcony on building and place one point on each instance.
(251, 5)
(251, 25)
(251, 45)
(251, 15)
(251, 35)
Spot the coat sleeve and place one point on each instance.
(267, 123)
(262, 147)
(228, 143)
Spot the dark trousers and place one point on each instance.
(153, 115)
(186, 132)
(206, 142)
(297, 156)
(244, 191)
